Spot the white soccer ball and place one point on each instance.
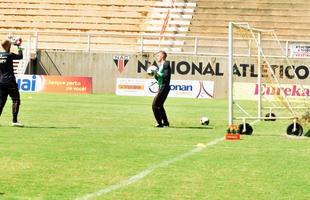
(151, 70)
(204, 121)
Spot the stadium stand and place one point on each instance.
(97, 25)
(288, 17)
(70, 15)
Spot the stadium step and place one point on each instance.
(171, 19)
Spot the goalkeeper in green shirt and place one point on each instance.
(163, 76)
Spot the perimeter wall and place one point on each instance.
(104, 68)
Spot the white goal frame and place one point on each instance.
(256, 36)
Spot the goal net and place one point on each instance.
(264, 84)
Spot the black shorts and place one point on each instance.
(9, 89)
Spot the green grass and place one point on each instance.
(73, 145)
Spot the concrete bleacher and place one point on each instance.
(74, 15)
(65, 24)
(290, 18)
(64, 17)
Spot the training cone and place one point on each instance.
(232, 133)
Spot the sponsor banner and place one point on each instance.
(300, 50)
(57, 84)
(242, 69)
(249, 91)
(178, 88)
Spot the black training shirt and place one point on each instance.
(6, 66)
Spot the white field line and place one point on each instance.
(149, 170)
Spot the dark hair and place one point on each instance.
(6, 45)
(164, 53)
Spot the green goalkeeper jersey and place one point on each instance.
(160, 76)
(163, 75)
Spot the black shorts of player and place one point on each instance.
(9, 89)
(158, 105)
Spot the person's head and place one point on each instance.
(6, 45)
(161, 56)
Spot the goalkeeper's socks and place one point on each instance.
(14, 118)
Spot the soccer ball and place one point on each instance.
(204, 121)
(151, 70)
(16, 40)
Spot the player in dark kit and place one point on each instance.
(8, 85)
(163, 76)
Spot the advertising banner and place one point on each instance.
(300, 50)
(249, 91)
(178, 88)
(243, 68)
(56, 84)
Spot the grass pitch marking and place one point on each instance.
(144, 173)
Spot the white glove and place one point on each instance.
(15, 40)
(152, 70)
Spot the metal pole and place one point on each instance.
(88, 42)
(230, 73)
(286, 49)
(259, 79)
(28, 56)
(36, 42)
(141, 47)
(196, 43)
(250, 45)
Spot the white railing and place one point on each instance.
(141, 43)
(22, 64)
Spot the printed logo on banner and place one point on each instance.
(291, 90)
(30, 83)
(62, 84)
(178, 88)
(203, 93)
(300, 50)
(249, 91)
(153, 87)
(120, 62)
(241, 70)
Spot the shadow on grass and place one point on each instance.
(43, 127)
(192, 127)
(267, 135)
(51, 127)
(2, 193)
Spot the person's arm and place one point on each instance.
(158, 74)
(167, 70)
(156, 77)
(19, 55)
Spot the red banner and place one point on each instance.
(57, 84)
(61, 84)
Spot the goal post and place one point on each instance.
(260, 47)
(231, 64)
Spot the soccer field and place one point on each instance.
(105, 147)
